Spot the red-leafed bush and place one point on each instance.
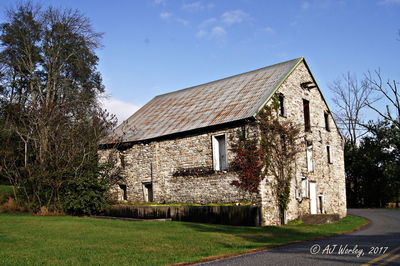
(248, 163)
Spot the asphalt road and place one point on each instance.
(382, 232)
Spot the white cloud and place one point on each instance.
(160, 2)
(201, 34)
(194, 6)
(268, 30)
(207, 22)
(234, 17)
(305, 5)
(182, 21)
(389, 2)
(215, 28)
(121, 109)
(168, 16)
(210, 5)
(216, 33)
(165, 15)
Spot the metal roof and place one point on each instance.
(226, 100)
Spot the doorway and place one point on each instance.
(313, 198)
(148, 191)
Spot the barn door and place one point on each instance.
(148, 191)
(313, 198)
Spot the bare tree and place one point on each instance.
(387, 91)
(351, 97)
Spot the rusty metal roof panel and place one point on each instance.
(217, 102)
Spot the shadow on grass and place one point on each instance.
(268, 236)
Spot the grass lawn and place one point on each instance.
(64, 240)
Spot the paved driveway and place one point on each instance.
(363, 246)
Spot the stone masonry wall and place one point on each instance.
(329, 177)
(157, 161)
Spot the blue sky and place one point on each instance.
(156, 46)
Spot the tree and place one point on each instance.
(389, 93)
(373, 167)
(350, 97)
(50, 117)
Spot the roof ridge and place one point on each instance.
(236, 75)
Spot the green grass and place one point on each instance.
(5, 193)
(66, 240)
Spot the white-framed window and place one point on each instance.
(304, 188)
(309, 156)
(219, 152)
(329, 153)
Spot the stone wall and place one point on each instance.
(329, 177)
(159, 161)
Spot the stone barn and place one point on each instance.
(178, 147)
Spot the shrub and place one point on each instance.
(44, 211)
(85, 196)
(11, 206)
(6, 192)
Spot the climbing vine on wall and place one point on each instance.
(280, 144)
(194, 172)
(273, 154)
(248, 162)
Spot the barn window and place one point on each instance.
(122, 160)
(304, 188)
(281, 99)
(306, 111)
(328, 154)
(321, 204)
(309, 155)
(326, 118)
(122, 192)
(219, 152)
